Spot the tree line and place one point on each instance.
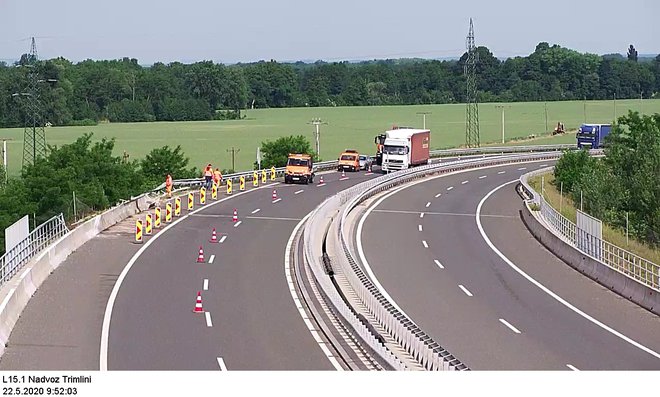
(623, 187)
(124, 91)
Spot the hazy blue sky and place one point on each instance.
(251, 30)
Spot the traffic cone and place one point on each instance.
(235, 217)
(321, 181)
(214, 237)
(274, 194)
(343, 176)
(200, 257)
(198, 303)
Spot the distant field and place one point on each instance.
(348, 127)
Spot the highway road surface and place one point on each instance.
(521, 309)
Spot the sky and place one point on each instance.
(332, 30)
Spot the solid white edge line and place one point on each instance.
(363, 258)
(468, 293)
(511, 327)
(222, 239)
(237, 223)
(206, 284)
(255, 211)
(6, 300)
(209, 323)
(572, 368)
(544, 288)
(211, 258)
(107, 315)
(222, 365)
(294, 294)
(426, 245)
(437, 262)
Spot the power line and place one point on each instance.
(472, 106)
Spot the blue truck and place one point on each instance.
(592, 135)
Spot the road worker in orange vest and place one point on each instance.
(208, 176)
(217, 176)
(168, 185)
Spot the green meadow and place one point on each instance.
(347, 127)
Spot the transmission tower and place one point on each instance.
(34, 136)
(472, 108)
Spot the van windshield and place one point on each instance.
(348, 157)
(298, 162)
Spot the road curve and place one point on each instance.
(250, 320)
(441, 272)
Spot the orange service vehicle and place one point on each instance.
(299, 168)
(349, 160)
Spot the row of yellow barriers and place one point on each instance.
(155, 221)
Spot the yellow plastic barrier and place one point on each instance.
(138, 231)
(150, 225)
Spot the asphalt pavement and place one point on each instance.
(426, 250)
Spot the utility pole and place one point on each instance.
(317, 122)
(615, 107)
(424, 115)
(472, 106)
(545, 106)
(503, 110)
(585, 110)
(233, 154)
(4, 157)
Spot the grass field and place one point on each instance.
(348, 127)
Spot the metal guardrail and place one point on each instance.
(415, 341)
(39, 239)
(633, 266)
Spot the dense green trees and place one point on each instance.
(123, 90)
(275, 153)
(626, 181)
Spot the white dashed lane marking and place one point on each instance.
(483, 176)
(438, 195)
(511, 327)
(257, 210)
(221, 363)
(237, 223)
(572, 367)
(211, 258)
(206, 283)
(464, 182)
(437, 262)
(468, 293)
(222, 239)
(421, 215)
(298, 192)
(501, 172)
(426, 245)
(209, 323)
(428, 204)
(449, 188)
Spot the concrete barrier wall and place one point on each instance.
(590, 267)
(16, 293)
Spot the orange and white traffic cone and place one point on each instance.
(343, 175)
(235, 217)
(321, 183)
(200, 257)
(214, 237)
(274, 194)
(198, 304)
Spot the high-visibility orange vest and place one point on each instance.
(217, 176)
(168, 181)
(208, 171)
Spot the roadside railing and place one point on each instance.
(633, 266)
(40, 238)
(427, 352)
